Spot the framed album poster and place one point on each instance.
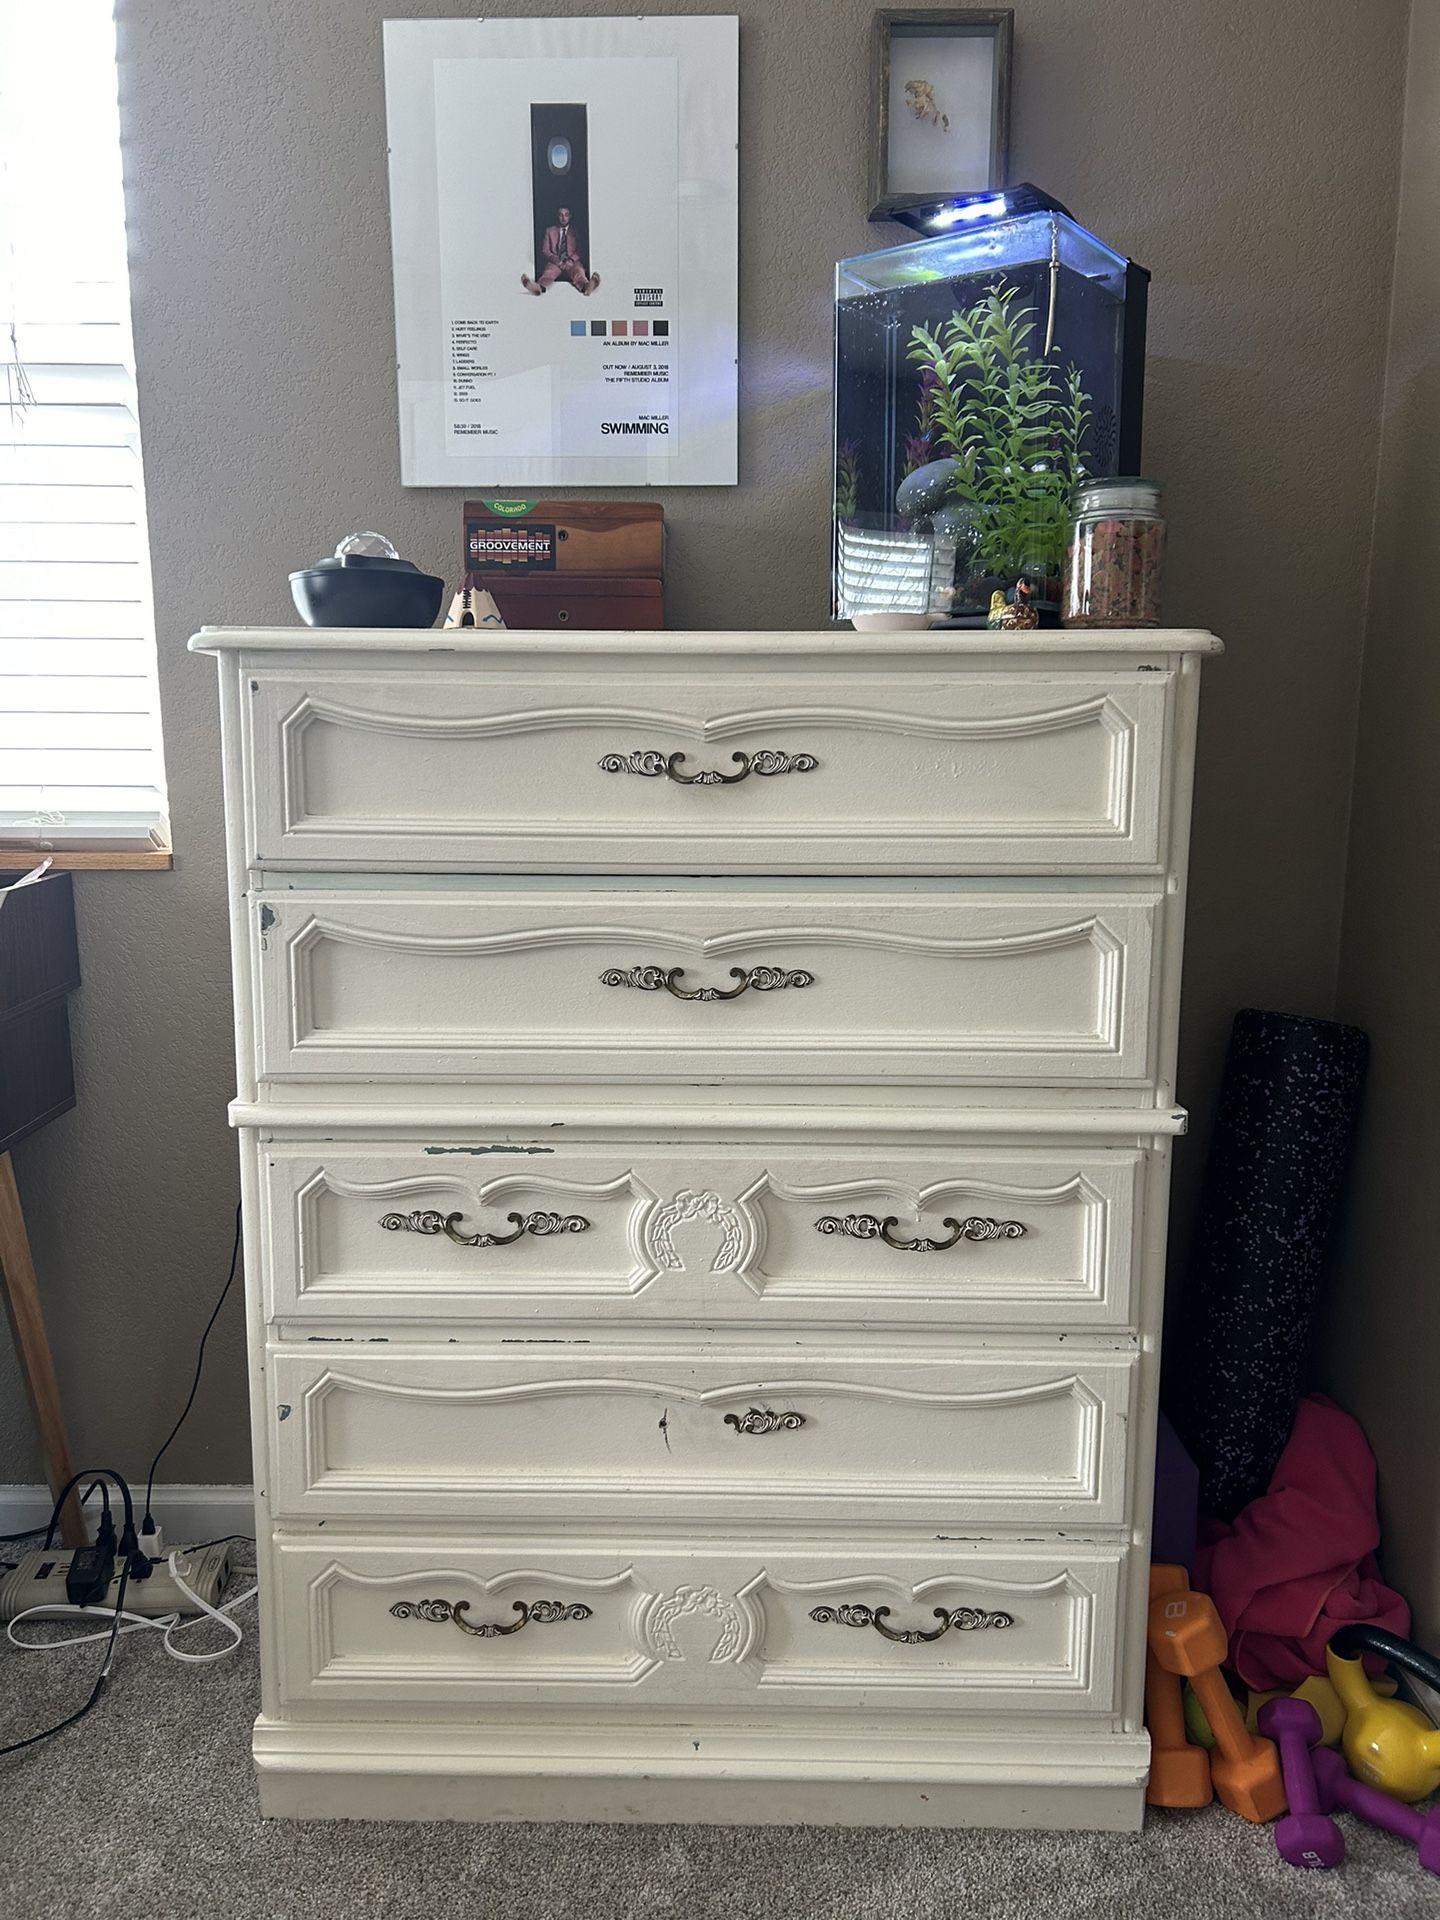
(563, 213)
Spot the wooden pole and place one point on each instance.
(22, 1303)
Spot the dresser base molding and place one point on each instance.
(743, 1777)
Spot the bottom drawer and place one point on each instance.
(441, 1630)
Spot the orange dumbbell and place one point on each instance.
(1187, 1639)
(1179, 1773)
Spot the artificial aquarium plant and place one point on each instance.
(1013, 422)
(918, 449)
(847, 479)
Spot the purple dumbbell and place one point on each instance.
(1338, 1788)
(1305, 1836)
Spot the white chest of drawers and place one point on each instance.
(705, 1104)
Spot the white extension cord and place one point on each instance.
(168, 1625)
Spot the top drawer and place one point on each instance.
(467, 768)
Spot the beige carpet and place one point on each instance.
(146, 1811)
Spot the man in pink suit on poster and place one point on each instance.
(561, 255)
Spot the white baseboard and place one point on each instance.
(186, 1514)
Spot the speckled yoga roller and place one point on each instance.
(1283, 1133)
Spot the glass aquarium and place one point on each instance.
(981, 375)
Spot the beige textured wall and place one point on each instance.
(1247, 154)
(1384, 1327)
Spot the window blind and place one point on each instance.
(80, 754)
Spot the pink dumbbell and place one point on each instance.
(1305, 1836)
(1336, 1787)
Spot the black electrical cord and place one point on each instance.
(130, 1559)
(220, 1540)
(102, 1487)
(34, 1533)
(34, 1739)
(129, 1545)
(133, 1561)
(147, 1522)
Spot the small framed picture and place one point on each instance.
(942, 104)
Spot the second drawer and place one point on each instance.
(995, 1439)
(612, 984)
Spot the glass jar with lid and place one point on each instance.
(1117, 544)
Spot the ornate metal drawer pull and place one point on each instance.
(868, 1226)
(963, 1619)
(539, 1224)
(542, 1612)
(763, 1420)
(651, 979)
(650, 764)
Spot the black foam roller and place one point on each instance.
(1285, 1125)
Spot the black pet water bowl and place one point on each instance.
(360, 589)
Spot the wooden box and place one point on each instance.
(39, 968)
(504, 537)
(589, 602)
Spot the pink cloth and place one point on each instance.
(1299, 1562)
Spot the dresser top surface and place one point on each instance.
(834, 644)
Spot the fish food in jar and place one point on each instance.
(1113, 564)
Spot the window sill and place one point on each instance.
(88, 859)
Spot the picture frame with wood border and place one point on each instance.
(894, 185)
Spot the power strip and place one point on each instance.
(37, 1579)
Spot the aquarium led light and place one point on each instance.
(933, 213)
(992, 209)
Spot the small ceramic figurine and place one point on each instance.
(473, 607)
(1017, 616)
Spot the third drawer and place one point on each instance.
(433, 1235)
